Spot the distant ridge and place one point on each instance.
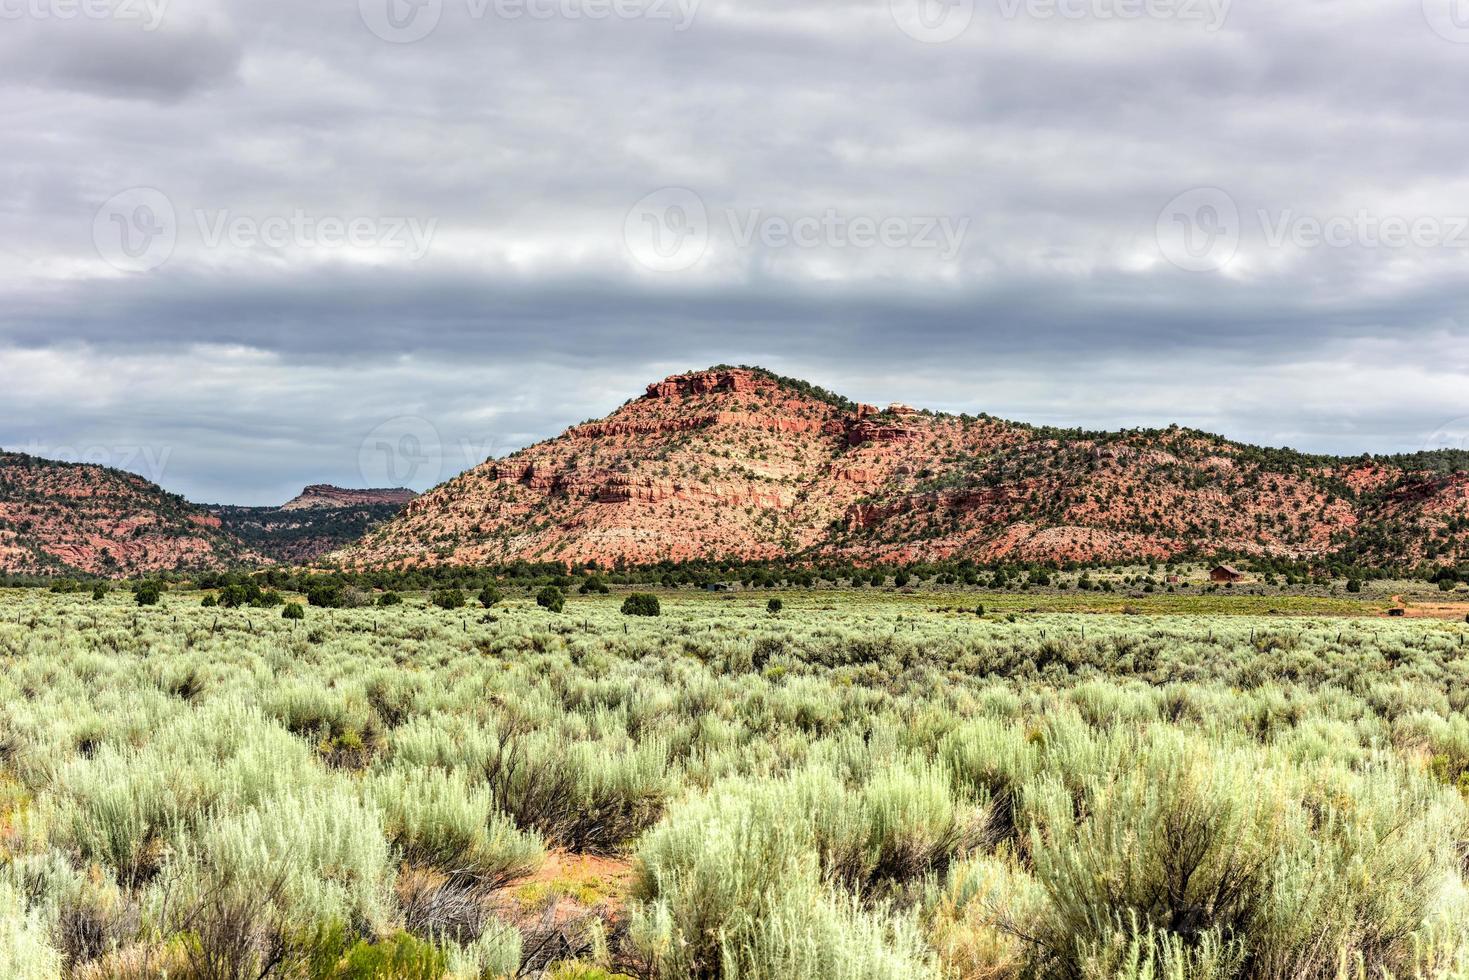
(320, 519)
(737, 462)
(65, 518)
(740, 462)
(324, 495)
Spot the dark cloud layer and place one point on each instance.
(253, 239)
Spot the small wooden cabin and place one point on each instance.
(1227, 574)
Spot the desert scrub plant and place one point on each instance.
(399, 957)
(339, 723)
(914, 826)
(323, 854)
(25, 951)
(1331, 744)
(903, 822)
(1230, 848)
(979, 917)
(584, 796)
(1129, 951)
(495, 953)
(435, 818)
(118, 814)
(730, 885)
(91, 920)
(1176, 848)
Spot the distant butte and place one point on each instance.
(323, 495)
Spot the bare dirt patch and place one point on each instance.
(1455, 611)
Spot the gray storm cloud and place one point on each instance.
(252, 234)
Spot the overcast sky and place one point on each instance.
(252, 245)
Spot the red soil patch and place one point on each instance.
(574, 885)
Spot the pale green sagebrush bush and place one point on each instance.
(436, 818)
(25, 949)
(733, 886)
(324, 854)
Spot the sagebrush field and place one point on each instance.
(853, 787)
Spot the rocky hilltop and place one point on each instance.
(324, 496)
(737, 462)
(62, 518)
(320, 519)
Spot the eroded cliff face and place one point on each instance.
(735, 462)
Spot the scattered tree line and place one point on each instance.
(453, 587)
